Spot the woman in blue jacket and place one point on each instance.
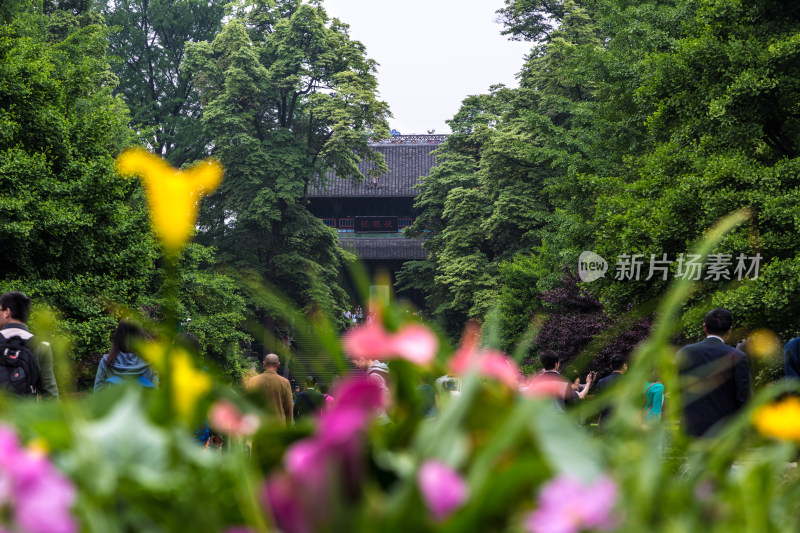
(121, 364)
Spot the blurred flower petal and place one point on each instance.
(282, 498)
(189, 383)
(172, 195)
(306, 460)
(415, 343)
(568, 505)
(368, 341)
(546, 386)
(779, 420)
(340, 424)
(226, 418)
(359, 393)
(41, 497)
(499, 366)
(442, 488)
(489, 363)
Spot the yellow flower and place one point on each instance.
(172, 194)
(763, 343)
(780, 420)
(189, 384)
(38, 446)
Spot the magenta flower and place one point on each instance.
(39, 495)
(341, 423)
(285, 500)
(413, 342)
(326, 466)
(226, 418)
(443, 489)
(359, 393)
(306, 459)
(568, 505)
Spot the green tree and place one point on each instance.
(75, 235)
(452, 210)
(149, 43)
(531, 20)
(581, 87)
(211, 306)
(724, 100)
(287, 95)
(526, 148)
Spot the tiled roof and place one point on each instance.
(406, 162)
(380, 248)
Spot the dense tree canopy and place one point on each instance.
(75, 235)
(635, 128)
(149, 42)
(287, 95)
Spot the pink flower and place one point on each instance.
(340, 424)
(226, 418)
(40, 496)
(485, 361)
(443, 489)
(413, 342)
(43, 507)
(499, 366)
(567, 505)
(547, 386)
(368, 341)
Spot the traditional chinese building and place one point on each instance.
(370, 216)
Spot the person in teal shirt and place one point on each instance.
(654, 399)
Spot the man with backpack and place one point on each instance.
(26, 365)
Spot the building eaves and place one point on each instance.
(381, 248)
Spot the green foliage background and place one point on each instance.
(636, 126)
(75, 235)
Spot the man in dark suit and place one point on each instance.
(715, 377)
(309, 401)
(551, 383)
(618, 367)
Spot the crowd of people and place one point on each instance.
(715, 380)
(715, 377)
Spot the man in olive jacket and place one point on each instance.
(276, 390)
(15, 309)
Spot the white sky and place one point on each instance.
(432, 54)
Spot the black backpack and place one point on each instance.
(19, 373)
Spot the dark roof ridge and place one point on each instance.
(410, 139)
(407, 162)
